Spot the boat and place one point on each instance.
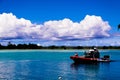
(92, 56)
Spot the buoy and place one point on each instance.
(59, 78)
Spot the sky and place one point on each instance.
(60, 22)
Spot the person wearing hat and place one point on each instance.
(96, 53)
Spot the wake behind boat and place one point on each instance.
(92, 56)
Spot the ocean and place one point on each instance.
(55, 65)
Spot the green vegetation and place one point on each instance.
(35, 46)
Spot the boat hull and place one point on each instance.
(79, 59)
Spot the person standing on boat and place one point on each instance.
(96, 53)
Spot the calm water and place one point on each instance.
(50, 64)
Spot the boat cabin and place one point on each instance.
(92, 53)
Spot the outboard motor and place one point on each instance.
(106, 57)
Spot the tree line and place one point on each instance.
(35, 46)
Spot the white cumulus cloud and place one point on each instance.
(90, 27)
(11, 26)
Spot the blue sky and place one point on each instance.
(44, 10)
(40, 12)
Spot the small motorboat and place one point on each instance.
(92, 56)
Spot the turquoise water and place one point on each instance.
(52, 64)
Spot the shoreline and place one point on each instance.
(54, 49)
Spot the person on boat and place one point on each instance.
(96, 53)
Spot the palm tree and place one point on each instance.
(118, 26)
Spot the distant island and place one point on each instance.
(35, 46)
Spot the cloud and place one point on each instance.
(89, 27)
(12, 27)
(93, 26)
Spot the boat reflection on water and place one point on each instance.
(90, 71)
(85, 71)
(93, 66)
